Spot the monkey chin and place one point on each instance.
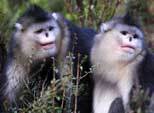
(45, 53)
(127, 56)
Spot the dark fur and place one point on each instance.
(2, 56)
(34, 14)
(146, 72)
(117, 106)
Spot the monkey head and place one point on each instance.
(37, 34)
(119, 41)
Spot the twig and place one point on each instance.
(77, 84)
(54, 83)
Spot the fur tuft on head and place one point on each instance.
(126, 19)
(129, 19)
(34, 14)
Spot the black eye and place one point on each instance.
(39, 31)
(124, 32)
(136, 36)
(51, 28)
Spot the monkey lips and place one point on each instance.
(128, 48)
(48, 45)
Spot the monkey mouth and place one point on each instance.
(128, 48)
(48, 45)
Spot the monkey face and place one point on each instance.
(40, 40)
(129, 41)
(120, 44)
(126, 42)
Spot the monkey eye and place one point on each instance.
(39, 31)
(124, 32)
(136, 36)
(51, 28)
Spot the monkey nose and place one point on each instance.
(46, 34)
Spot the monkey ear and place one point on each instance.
(60, 19)
(19, 26)
(105, 27)
(57, 16)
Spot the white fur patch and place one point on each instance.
(104, 27)
(18, 26)
(55, 15)
(15, 75)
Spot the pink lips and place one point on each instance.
(127, 46)
(48, 45)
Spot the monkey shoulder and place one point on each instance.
(81, 38)
(146, 72)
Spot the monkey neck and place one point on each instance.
(119, 79)
(114, 70)
(104, 94)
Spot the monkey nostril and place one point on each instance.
(46, 34)
(130, 39)
(135, 36)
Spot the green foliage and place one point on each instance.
(49, 4)
(139, 8)
(91, 12)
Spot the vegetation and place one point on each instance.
(87, 13)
